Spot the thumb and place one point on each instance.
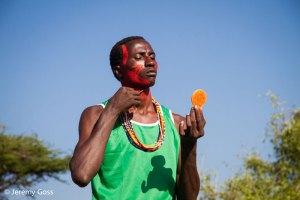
(181, 128)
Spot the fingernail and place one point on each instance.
(181, 123)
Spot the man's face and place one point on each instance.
(139, 67)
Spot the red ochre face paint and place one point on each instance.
(133, 70)
(124, 54)
(132, 77)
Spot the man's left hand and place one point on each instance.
(193, 125)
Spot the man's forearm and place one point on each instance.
(189, 181)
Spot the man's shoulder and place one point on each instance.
(177, 117)
(92, 111)
(95, 109)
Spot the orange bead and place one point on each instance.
(199, 97)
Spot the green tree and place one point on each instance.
(26, 160)
(262, 179)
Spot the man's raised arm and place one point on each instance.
(95, 127)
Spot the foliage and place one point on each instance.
(262, 179)
(26, 160)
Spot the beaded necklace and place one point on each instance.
(134, 139)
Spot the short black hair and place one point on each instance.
(116, 54)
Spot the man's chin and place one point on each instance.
(141, 86)
(147, 84)
(152, 83)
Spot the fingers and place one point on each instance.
(181, 128)
(126, 97)
(198, 113)
(136, 99)
(191, 126)
(133, 91)
(195, 123)
(188, 122)
(199, 118)
(194, 129)
(133, 94)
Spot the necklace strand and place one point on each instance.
(132, 135)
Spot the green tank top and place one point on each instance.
(130, 173)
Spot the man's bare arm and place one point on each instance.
(95, 127)
(188, 180)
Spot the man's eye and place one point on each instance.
(138, 56)
(152, 56)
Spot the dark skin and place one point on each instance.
(136, 75)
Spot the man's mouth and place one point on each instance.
(151, 73)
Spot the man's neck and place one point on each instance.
(146, 111)
(146, 101)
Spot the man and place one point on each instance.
(131, 147)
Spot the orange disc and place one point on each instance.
(199, 97)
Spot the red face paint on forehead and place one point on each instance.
(124, 54)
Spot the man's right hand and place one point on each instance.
(124, 98)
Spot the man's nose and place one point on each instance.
(149, 62)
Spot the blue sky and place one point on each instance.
(54, 63)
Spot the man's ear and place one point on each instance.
(117, 72)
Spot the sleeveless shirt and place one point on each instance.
(130, 173)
